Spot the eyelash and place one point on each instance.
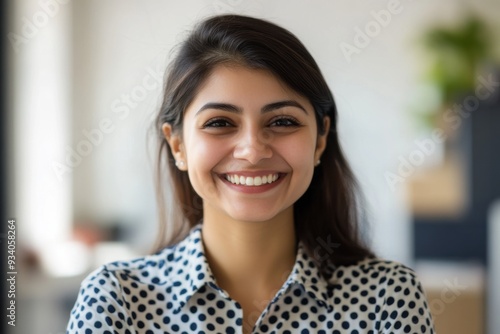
(291, 122)
(210, 123)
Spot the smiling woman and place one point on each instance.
(247, 130)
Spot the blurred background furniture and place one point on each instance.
(462, 236)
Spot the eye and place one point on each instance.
(217, 123)
(284, 122)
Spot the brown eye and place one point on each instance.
(285, 122)
(217, 123)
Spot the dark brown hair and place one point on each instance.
(327, 213)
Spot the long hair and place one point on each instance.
(326, 216)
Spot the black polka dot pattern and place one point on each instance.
(174, 291)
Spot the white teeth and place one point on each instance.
(252, 181)
(257, 181)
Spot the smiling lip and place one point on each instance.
(252, 182)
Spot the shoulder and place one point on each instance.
(138, 269)
(378, 279)
(112, 295)
(155, 269)
(386, 294)
(111, 281)
(375, 271)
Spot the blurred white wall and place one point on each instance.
(40, 54)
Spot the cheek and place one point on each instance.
(203, 154)
(299, 154)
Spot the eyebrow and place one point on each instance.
(238, 110)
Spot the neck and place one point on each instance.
(254, 256)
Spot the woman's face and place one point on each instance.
(249, 144)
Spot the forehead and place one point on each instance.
(246, 87)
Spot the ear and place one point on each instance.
(322, 139)
(176, 144)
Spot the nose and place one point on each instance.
(253, 145)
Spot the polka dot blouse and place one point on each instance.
(174, 291)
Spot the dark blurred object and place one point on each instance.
(469, 175)
(464, 238)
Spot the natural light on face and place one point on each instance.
(250, 144)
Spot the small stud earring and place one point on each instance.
(317, 163)
(179, 164)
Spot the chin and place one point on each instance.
(253, 214)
